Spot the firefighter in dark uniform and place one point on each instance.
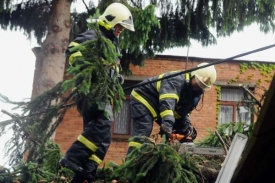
(169, 103)
(90, 148)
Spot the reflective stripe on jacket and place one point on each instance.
(91, 35)
(167, 99)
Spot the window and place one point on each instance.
(230, 107)
(123, 119)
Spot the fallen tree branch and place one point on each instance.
(251, 94)
(222, 141)
(12, 116)
(208, 173)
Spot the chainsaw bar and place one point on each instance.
(192, 149)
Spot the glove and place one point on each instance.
(120, 78)
(193, 134)
(165, 130)
(187, 129)
(190, 134)
(167, 135)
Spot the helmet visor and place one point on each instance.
(128, 24)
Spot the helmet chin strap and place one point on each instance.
(201, 102)
(104, 24)
(108, 27)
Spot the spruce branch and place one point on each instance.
(222, 141)
(91, 72)
(41, 115)
(151, 162)
(11, 115)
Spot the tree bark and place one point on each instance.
(50, 58)
(53, 47)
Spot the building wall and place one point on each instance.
(203, 118)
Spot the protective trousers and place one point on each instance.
(142, 123)
(91, 146)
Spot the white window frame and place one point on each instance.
(233, 102)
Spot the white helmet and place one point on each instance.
(205, 77)
(117, 13)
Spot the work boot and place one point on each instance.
(82, 178)
(91, 168)
(64, 161)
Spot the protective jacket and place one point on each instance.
(167, 102)
(91, 146)
(91, 35)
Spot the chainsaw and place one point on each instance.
(191, 148)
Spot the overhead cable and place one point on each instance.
(207, 65)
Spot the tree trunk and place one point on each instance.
(50, 59)
(52, 54)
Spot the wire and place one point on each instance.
(196, 68)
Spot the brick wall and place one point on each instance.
(69, 129)
(204, 118)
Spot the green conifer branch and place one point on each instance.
(43, 113)
(151, 163)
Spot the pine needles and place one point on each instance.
(227, 132)
(43, 113)
(91, 74)
(45, 170)
(155, 163)
(150, 163)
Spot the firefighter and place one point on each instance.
(90, 147)
(169, 103)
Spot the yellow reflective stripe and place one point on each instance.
(72, 56)
(87, 143)
(95, 159)
(169, 95)
(187, 76)
(144, 102)
(166, 113)
(134, 144)
(159, 82)
(73, 44)
(177, 116)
